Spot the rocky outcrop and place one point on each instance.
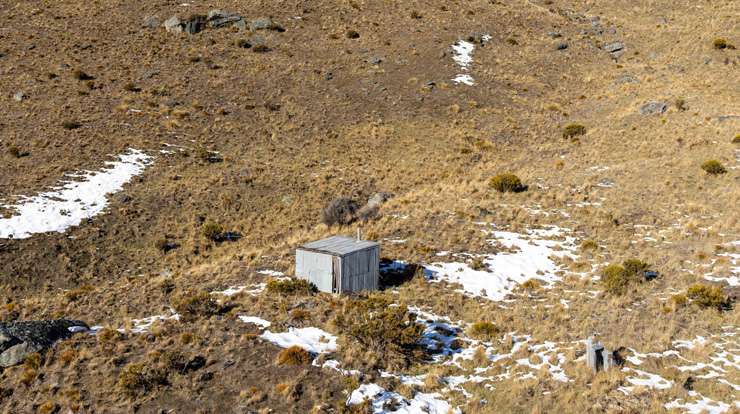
(18, 339)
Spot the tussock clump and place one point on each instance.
(81, 76)
(192, 304)
(295, 355)
(713, 167)
(17, 152)
(720, 44)
(507, 183)
(573, 130)
(137, 379)
(678, 301)
(618, 278)
(212, 231)
(707, 296)
(70, 125)
(483, 330)
(478, 264)
(204, 154)
(531, 284)
(589, 245)
(736, 140)
(290, 287)
(340, 211)
(391, 332)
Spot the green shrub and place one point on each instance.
(138, 379)
(573, 130)
(212, 231)
(507, 183)
(720, 43)
(483, 330)
(290, 287)
(616, 279)
(707, 296)
(193, 304)
(294, 355)
(635, 267)
(377, 325)
(713, 167)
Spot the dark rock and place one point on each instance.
(375, 60)
(150, 22)
(688, 385)
(329, 76)
(195, 364)
(352, 34)
(206, 376)
(650, 275)
(653, 107)
(561, 46)
(18, 339)
(195, 24)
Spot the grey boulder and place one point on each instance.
(653, 107)
(18, 339)
(173, 25)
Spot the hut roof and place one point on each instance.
(339, 245)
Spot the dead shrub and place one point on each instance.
(342, 211)
(483, 330)
(573, 130)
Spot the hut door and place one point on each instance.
(335, 274)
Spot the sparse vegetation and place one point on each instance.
(736, 139)
(707, 296)
(507, 183)
(713, 167)
(720, 43)
(138, 379)
(289, 287)
(81, 76)
(294, 355)
(573, 130)
(194, 304)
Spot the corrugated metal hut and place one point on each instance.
(339, 264)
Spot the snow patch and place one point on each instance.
(311, 339)
(255, 320)
(82, 196)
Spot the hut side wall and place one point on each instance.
(360, 270)
(314, 267)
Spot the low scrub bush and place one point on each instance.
(707, 296)
(507, 183)
(391, 332)
(212, 231)
(483, 330)
(340, 211)
(618, 278)
(290, 287)
(720, 43)
(193, 304)
(736, 140)
(573, 130)
(713, 167)
(294, 355)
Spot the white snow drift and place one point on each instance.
(311, 339)
(83, 196)
(531, 260)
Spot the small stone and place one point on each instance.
(554, 35)
(626, 78)
(352, 34)
(150, 22)
(653, 107)
(561, 46)
(329, 76)
(173, 25)
(614, 47)
(19, 96)
(375, 60)
(220, 18)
